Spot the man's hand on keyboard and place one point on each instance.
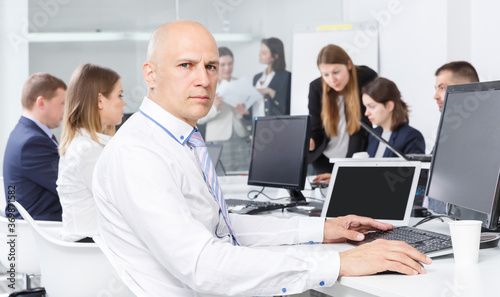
(351, 227)
(382, 255)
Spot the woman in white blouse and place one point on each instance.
(93, 107)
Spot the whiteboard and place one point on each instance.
(359, 40)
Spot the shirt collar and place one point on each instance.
(103, 138)
(175, 127)
(39, 124)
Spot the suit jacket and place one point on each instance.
(281, 83)
(357, 141)
(31, 165)
(406, 139)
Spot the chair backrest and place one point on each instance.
(3, 201)
(73, 269)
(26, 257)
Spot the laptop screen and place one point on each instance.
(381, 190)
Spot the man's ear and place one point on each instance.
(40, 102)
(148, 70)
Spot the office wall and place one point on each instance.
(413, 44)
(14, 66)
(260, 18)
(485, 45)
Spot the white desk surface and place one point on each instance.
(443, 278)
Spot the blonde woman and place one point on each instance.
(335, 108)
(93, 107)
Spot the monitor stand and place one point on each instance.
(297, 197)
(300, 205)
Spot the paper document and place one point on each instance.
(238, 91)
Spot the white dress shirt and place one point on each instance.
(162, 225)
(258, 108)
(381, 146)
(74, 186)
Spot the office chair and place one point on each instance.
(26, 258)
(70, 268)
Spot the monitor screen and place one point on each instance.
(279, 152)
(384, 194)
(466, 164)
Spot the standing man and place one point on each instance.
(31, 159)
(453, 73)
(161, 213)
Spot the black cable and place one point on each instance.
(432, 217)
(259, 192)
(265, 195)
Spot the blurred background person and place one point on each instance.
(274, 83)
(93, 107)
(31, 160)
(225, 124)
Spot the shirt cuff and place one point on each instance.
(326, 269)
(311, 230)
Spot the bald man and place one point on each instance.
(166, 229)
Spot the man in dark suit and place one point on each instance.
(31, 159)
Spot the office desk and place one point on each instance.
(443, 278)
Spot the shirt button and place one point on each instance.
(182, 137)
(267, 110)
(322, 283)
(283, 290)
(265, 100)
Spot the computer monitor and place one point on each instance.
(465, 169)
(279, 154)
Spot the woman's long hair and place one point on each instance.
(332, 54)
(81, 106)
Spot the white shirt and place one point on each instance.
(74, 186)
(337, 146)
(158, 218)
(381, 146)
(258, 108)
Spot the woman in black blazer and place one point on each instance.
(335, 108)
(273, 83)
(386, 109)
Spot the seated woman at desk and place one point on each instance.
(335, 108)
(93, 107)
(386, 109)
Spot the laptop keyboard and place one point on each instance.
(243, 206)
(422, 240)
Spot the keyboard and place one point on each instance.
(430, 243)
(243, 206)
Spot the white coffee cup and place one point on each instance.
(360, 155)
(465, 238)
